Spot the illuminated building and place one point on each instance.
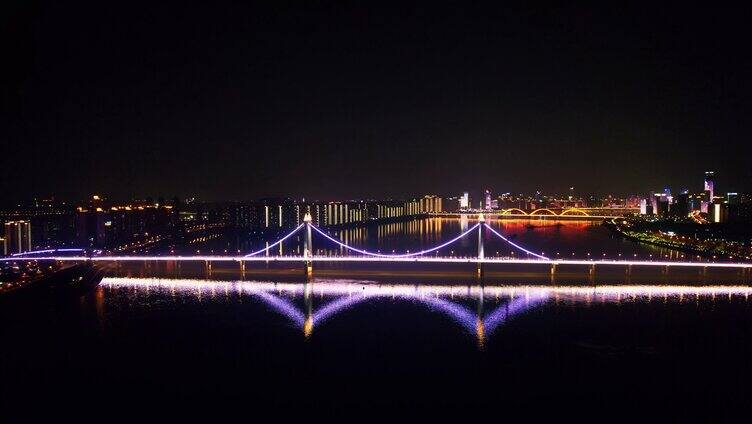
(278, 214)
(114, 226)
(488, 199)
(659, 203)
(705, 201)
(465, 201)
(719, 213)
(431, 204)
(340, 213)
(695, 202)
(709, 184)
(413, 207)
(389, 210)
(669, 198)
(51, 221)
(18, 236)
(4, 246)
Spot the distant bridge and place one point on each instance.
(361, 255)
(583, 213)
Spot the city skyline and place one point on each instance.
(464, 197)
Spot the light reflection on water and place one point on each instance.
(478, 310)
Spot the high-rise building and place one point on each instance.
(719, 212)
(706, 201)
(667, 192)
(709, 184)
(488, 199)
(18, 236)
(663, 207)
(3, 246)
(695, 202)
(431, 203)
(659, 203)
(465, 200)
(680, 207)
(654, 201)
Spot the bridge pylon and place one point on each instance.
(308, 245)
(481, 253)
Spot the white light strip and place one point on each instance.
(426, 259)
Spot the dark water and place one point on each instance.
(335, 343)
(152, 339)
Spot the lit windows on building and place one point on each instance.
(465, 200)
(17, 236)
(710, 184)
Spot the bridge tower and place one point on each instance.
(481, 253)
(308, 247)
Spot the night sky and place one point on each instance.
(329, 101)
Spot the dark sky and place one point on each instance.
(330, 101)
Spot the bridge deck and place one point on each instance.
(355, 259)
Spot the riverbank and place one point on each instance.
(694, 239)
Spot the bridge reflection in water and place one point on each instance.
(492, 306)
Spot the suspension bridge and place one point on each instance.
(308, 258)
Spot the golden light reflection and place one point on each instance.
(308, 327)
(480, 332)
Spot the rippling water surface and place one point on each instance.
(329, 343)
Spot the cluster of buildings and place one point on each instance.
(488, 202)
(270, 214)
(34, 224)
(703, 206)
(101, 224)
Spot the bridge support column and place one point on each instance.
(242, 267)
(591, 271)
(553, 269)
(308, 247)
(481, 253)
